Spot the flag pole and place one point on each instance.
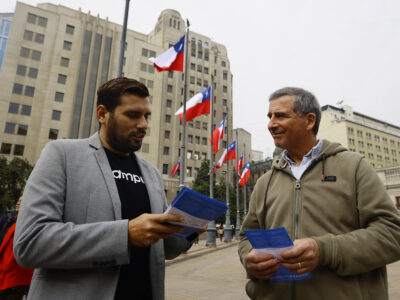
(123, 39)
(211, 229)
(228, 227)
(237, 229)
(244, 188)
(183, 152)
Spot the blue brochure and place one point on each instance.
(197, 210)
(275, 241)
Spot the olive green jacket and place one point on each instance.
(349, 214)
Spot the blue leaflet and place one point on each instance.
(199, 206)
(275, 240)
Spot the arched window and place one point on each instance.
(170, 22)
(179, 25)
(174, 23)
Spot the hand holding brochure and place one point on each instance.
(275, 241)
(197, 210)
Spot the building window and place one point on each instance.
(189, 154)
(197, 124)
(165, 169)
(203, 156)
(225, 89)
(205, 70)
(167, 134)
(69, 29)
(167, 118)
(13, 108)
(169, 103)
(10, 128)
(361, 144)
(196, 155)
(39, 38)
(166, 151)
(21, 70)
(24, 52)
(378, 148)
(169, 88)
(170, 74)
(53, 134)
(204, 141)
(150, 84)
(36, 55)
(143, 67)
(190, 124)
(29, 91)
(28, 35)
(190, 138)
(17, 88)
(67, 45)
(384, 140)
(62, 79)
(191, 94)
(56, 115)
(152, 53)
(5, 148)
(199, 81)
(225, 75)
(225, 102)
(145, 52)
(151, 69)
(42, 22)
(197, 140)
(192, 67)
(145, 148)
(33, 72)
(31, 18)
(189, 171)
(199, 68)
(26, 110)
(22, 129)
(377, 139)
(191, 80)
(64, 62)
(223, 63)
(205, 83)
(385, 150)
(368, 135)
(19, 150)
(59, 97)
(350, 130)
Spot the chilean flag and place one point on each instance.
(172, 59)
(239, 164)
(218, 135)
(245, 175)
(228, 154)
(198, 105)
(176, 168)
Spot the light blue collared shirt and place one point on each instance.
(298, 170)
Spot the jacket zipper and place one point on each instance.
(296, 230)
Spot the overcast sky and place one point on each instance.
(339, 50)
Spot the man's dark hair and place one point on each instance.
(304, 103)
(109, 93)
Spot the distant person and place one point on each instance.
(344, 225)
(92, 221)
(220, 232)
(14, 280)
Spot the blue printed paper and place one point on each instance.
(275, 241)
(197, 210)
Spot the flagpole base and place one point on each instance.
(211, 235)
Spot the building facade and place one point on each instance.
(377, 140)
(57, 57)
(391, 179)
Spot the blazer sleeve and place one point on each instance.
(44, 240)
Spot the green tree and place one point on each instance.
(13, 176)
(201, 183)
(220, 194)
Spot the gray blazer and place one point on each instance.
(69, 226)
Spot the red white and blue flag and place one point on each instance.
(245, 175)
(239, 164)
(228, 154)
(198, 105)
(176, 168)
(218, 135)
(172, 59)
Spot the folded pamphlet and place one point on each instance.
(197, 210)
(275, 241)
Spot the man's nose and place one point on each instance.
(143, 123)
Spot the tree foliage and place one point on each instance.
(13, 176)
(201, 184)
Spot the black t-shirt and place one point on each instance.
(134, 279)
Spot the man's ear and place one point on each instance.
(310, 121)
(102, 114)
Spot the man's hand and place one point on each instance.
(303, 257)
(262, 266)
(147, 229)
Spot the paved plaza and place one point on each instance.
(216, 273)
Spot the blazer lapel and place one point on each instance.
(105, 168)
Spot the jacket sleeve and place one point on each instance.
(377, 242)
(251, 221)
(44, 240)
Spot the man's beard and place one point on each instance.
(120, 143)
